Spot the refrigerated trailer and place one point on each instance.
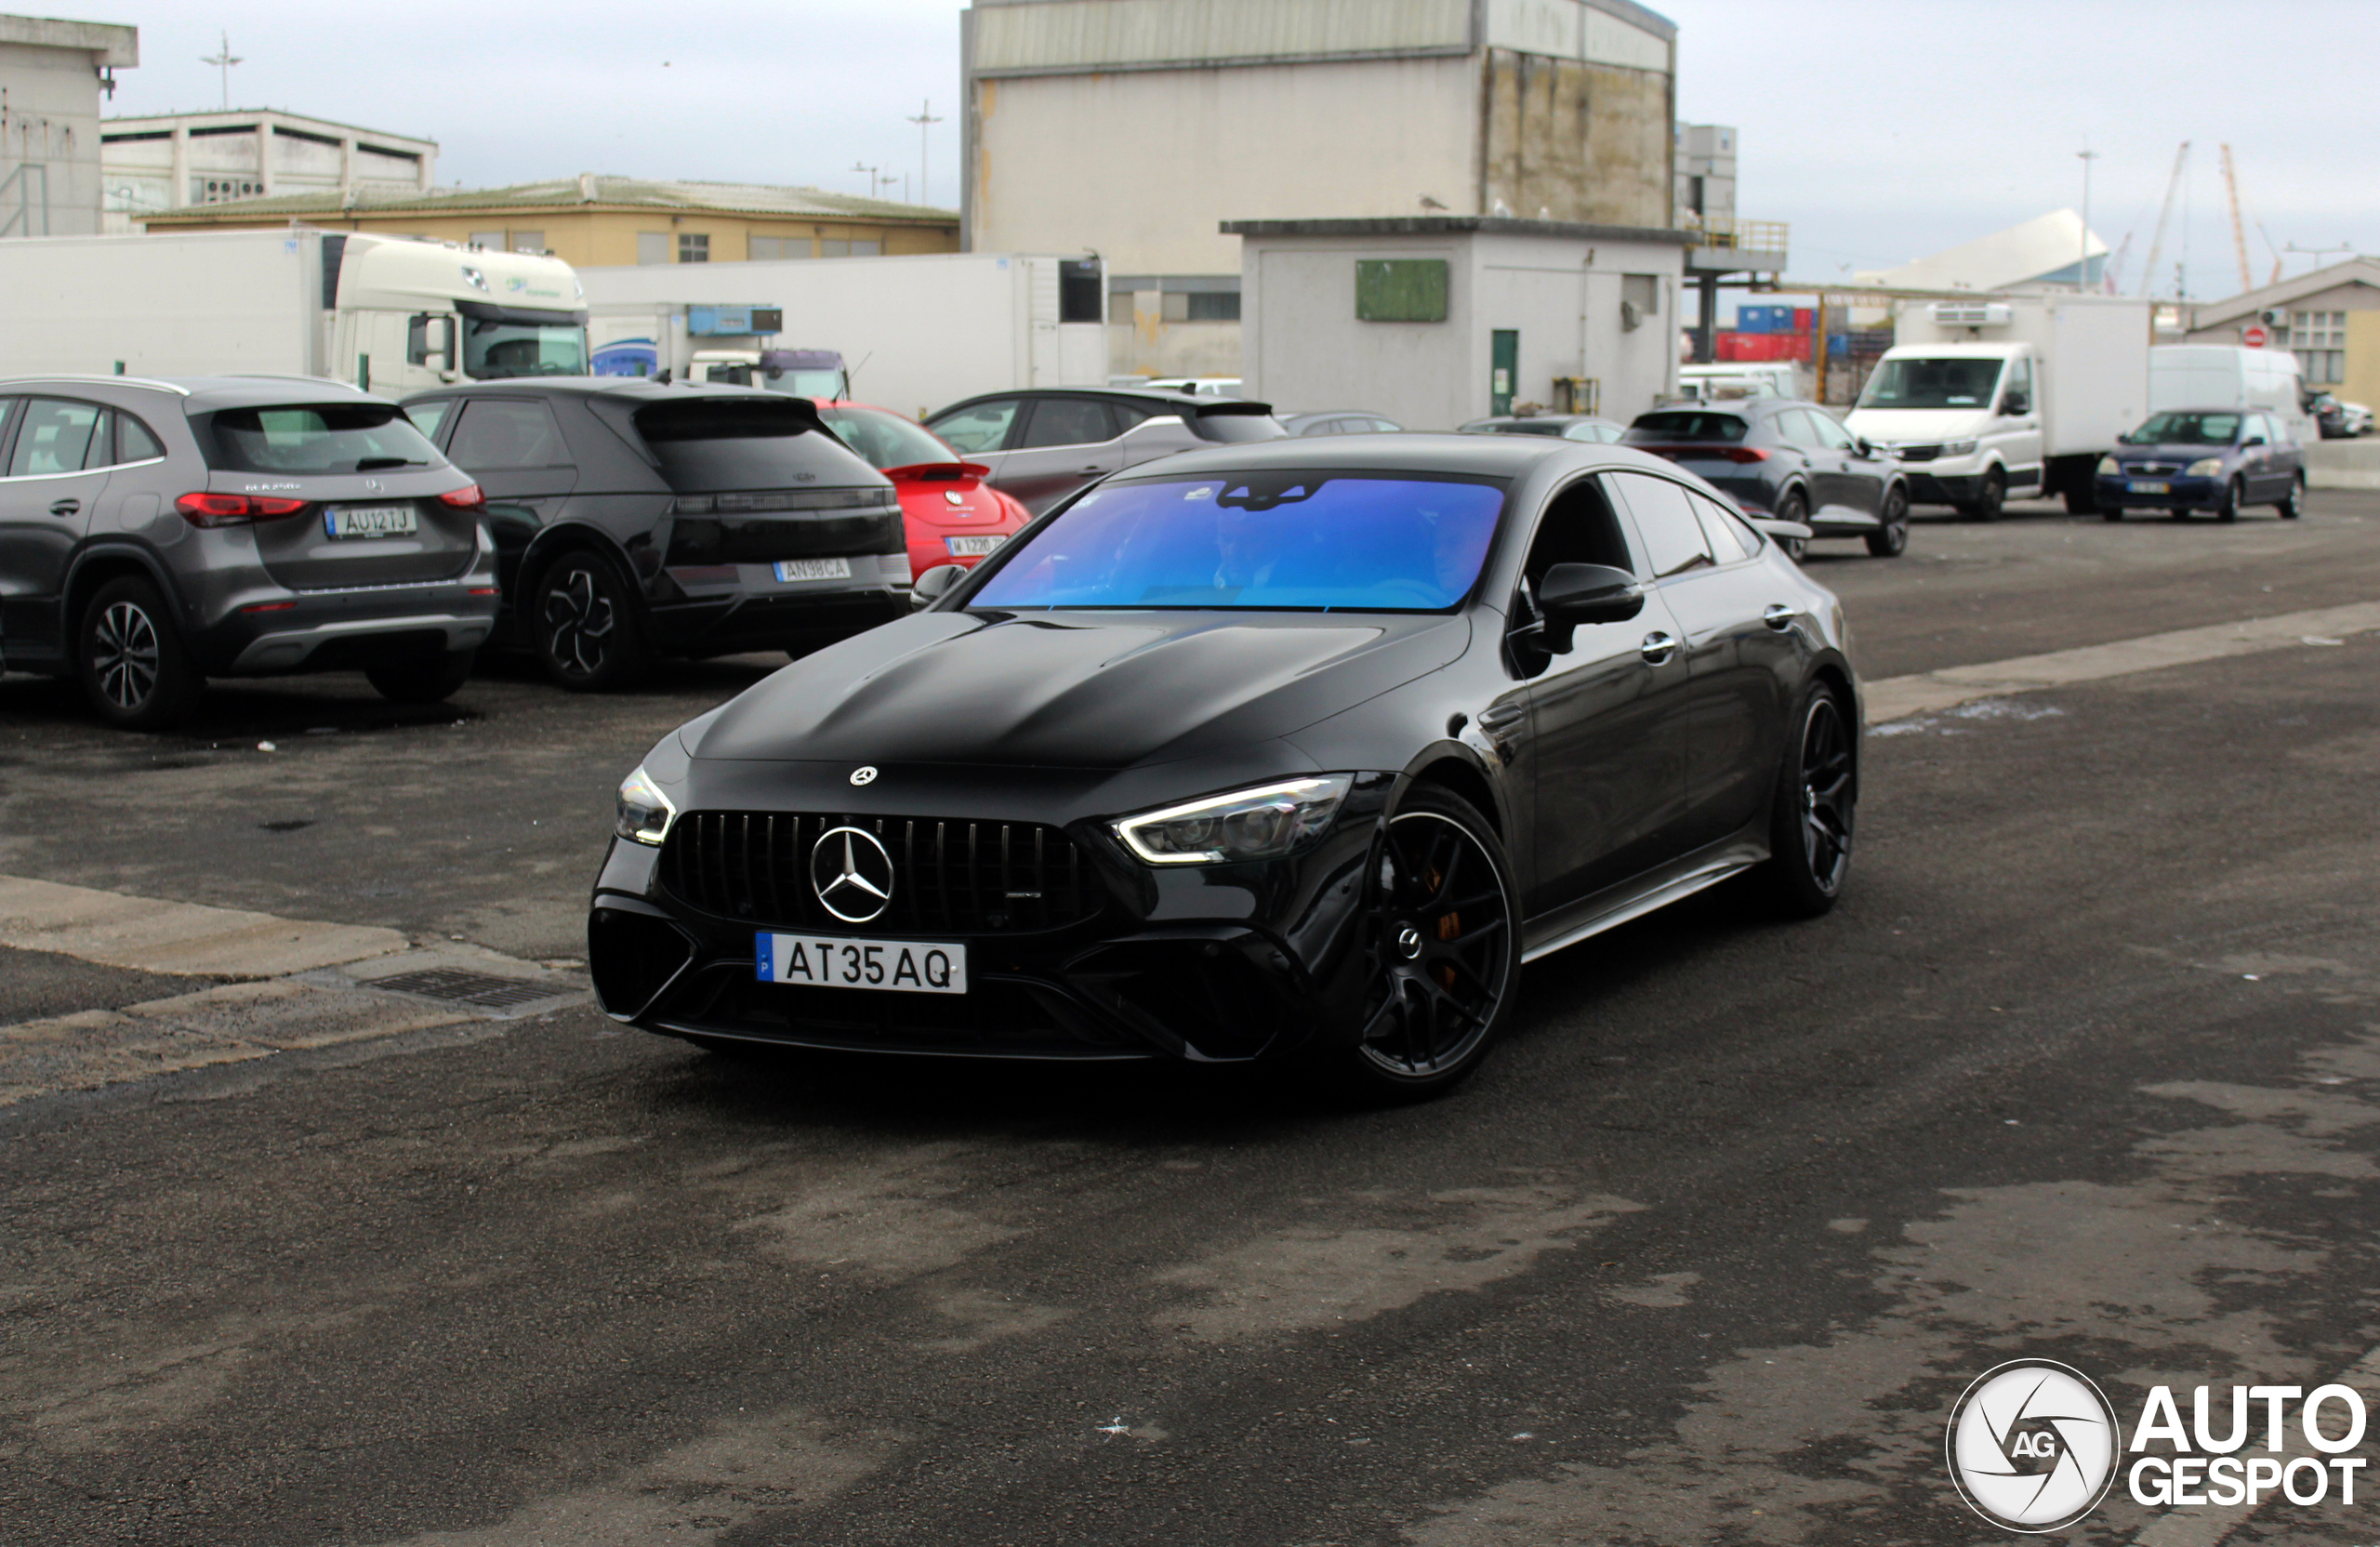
(391, 314)
(914, 333)
(2003, 395)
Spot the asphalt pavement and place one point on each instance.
(2085, 1066)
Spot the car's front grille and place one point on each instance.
(951, 876)
(2149, 469)
(1917, 454)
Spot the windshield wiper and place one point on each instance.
(375, 464)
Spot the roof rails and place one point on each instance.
(150, 382)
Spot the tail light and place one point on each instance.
(1709, 454)
(205, 508)
(1746, 454)
(470, 497)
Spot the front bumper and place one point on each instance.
(1222, 964)
(1944, 488)
(2182, 493)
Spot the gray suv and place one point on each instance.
(154, 533)
(1043, 446)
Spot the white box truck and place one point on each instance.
(914, 333)
(2007, 395)
(392, 314)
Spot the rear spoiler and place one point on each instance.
(1226, 405)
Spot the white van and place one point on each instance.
(2221, 376)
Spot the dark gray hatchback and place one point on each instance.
(154, 533)
(633, 519)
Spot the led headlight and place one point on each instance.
(1959, 448)
(2205, 467)
(2111, 468)
(1264, 823)
(645, 812)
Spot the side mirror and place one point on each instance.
(2253, 441)
(2015, 403)
(935, 583)
(1863, 446)
(1573, 594)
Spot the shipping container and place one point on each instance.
(1805, 318)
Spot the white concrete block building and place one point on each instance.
(52, 75)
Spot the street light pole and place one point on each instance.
(2083, 269)
(924, 120)
(224, 61)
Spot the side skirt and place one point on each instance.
(1633, 899)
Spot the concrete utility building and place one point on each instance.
(589, 220)
(52, 75)
(1437, 319)
(169, 161)
(2331, 317)
(1134, 128)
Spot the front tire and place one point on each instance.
(1891, 540)
(1814, 811)
(1793, 507)
(2294, 506)
(422, 679)
(136, 670)
(2233, 493)
(1442, 944)
(583, 624)
(1993, 495)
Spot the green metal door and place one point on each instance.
(1504, 360)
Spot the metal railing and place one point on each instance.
(1726, 231)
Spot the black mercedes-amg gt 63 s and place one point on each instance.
(1287, 752)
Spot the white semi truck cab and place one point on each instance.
(394, 314)
(2016, 395)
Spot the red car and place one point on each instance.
(953, 516)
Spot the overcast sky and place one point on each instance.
(1882, 129)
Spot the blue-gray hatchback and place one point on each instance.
(154, 533)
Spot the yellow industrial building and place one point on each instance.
(589, 220)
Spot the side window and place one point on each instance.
(1127, 416)
(428, 417)
(979, 427)
(1665, 520)
(1577, 528)
(2020, 379)
(56, 436)
(1730, 539)
(135, 441)
(1794, 425)
(506, 432)
(1069, 422)
(1830, 432)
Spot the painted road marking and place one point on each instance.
(1930, 692)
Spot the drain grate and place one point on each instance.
(483, 989)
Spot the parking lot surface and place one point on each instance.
(2086, 1065)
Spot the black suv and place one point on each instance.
(1043, 446)
(633, 519)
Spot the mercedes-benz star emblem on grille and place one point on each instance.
(863, 775)
(851, 874)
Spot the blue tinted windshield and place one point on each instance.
(1294, 541)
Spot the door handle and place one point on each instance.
(1496, 719)
(1659, 647)
(66, 507)
(1093, 467)
(1779, 616)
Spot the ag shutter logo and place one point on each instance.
(2032, 1445)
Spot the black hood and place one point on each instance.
(1075, 690)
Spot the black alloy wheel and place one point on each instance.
(421, 678)
(2234, 493)
(1891, 540)
(1814, 810)
(135, 670)
(582, 623)
(2294, 506)
(1991, 499)
(1442, 941)
(1793, 507)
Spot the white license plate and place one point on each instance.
(370, 521)
(975, 548)
(813, 569)
(2146, 486)
(831, 961)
